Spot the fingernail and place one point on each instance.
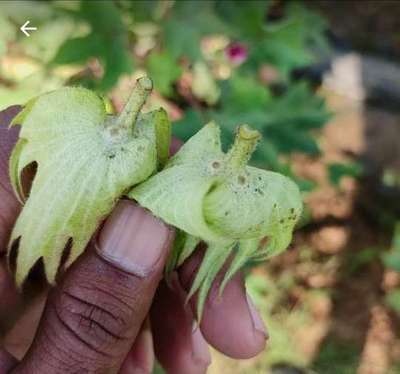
(133, 239)
(258, 323)
(200, 352)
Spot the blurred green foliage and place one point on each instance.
(215, 60)
(337, 357)
(339, 170)
(107, 40)
(391, 260)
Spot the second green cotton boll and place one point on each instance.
(250, 203)
(217, 198)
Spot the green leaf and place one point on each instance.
(307, 110)
(245, 93)
(185, 43)
(203, 190)
(86, 159)
(339, 170)
(392, 258)
(287, 44)
(164, 70)
(108, 41)
(142, 10)
(78, 50)
(289, 139)
(245, 17)
(44, 43)
(393, 300)
(286, 121)
(183, 32)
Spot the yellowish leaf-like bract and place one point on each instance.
(86, 160)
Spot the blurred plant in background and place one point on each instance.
(230, 61)
(244, 62)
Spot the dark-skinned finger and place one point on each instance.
(94, 316)
(7, 361)
(9, 206)
(19, 338)
(10, 298)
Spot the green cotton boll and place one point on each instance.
(215, 197)
(249, 203)
(86, 160)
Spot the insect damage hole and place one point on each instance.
(241, 179)
(264, 241)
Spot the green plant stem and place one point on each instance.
(127, 118)
(245, 143)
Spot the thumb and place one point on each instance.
(92, 319)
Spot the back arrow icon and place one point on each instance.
(24, 28)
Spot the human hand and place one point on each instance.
(95, 320)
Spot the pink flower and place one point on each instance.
(236, 53)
